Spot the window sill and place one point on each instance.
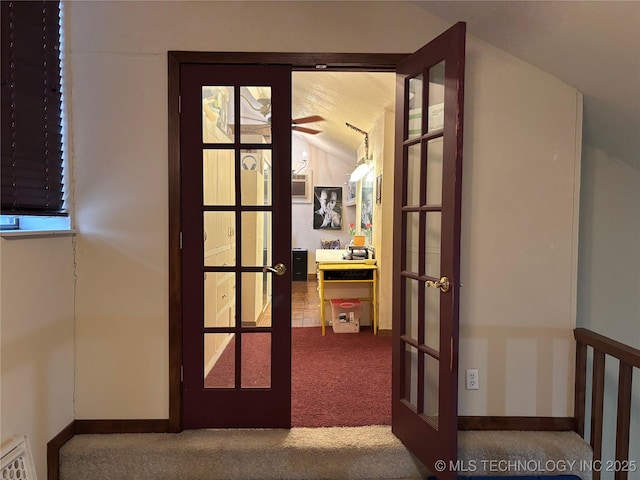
(11, 234)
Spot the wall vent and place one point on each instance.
(17, 462)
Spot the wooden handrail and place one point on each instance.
(622, 352)
(629, 357)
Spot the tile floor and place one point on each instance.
(305, 304)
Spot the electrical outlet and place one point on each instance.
(473, 381)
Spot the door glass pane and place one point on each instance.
(255, 115)
(219, 360)
(256, 239)
(434, 171)
(415, 106)
(436, 97)
(255, 188)
(411, 375)
(432, 318)
(413, 175)
(432, 248)
(256, 306)
(256, 360)
(219, 239)
(218, 177)
(219, 299)
(431, 388)
(411, 308)
(413, 242)
(217, 114)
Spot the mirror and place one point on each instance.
(364, 206)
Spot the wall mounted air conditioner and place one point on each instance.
(300, 185)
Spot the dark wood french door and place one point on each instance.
(428, 184)
(228, 128)
(235, 151)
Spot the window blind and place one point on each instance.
(31, 168)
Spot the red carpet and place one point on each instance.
(339, 380)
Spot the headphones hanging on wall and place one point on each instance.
(249, 162)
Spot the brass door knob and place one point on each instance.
(279, 269)
(443, 284)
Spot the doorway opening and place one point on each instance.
(424, 390)
(352, 117)
(234, 61)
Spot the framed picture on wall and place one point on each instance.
(379, 189)
(366, 209)
(351, 193)
(327, 208)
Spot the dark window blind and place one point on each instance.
(31, 169)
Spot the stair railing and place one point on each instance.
(629, 358)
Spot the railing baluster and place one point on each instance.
(580, 386)
(597, 403)
(625, 379)
(629, 358)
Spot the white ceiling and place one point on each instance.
(341, 97)
(592, 45)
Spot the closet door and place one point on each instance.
(235, 149)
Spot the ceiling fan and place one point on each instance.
(265, 110)
(310, 119)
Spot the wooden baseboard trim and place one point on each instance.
(78, 427)
(383, 332)
(122, 426)
(162, 426)
(517, 423)
(53, 450)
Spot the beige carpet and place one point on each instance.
(500, 453)
(299, 453)
(309, 454)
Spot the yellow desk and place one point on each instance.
(349, 273)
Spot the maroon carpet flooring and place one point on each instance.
(337, 380)
(341, 379)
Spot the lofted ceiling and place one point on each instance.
(341, 97)
(591, 45)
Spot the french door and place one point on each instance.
(235, 150)
(231, 203)
(428, 184)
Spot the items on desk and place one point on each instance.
(355, 255)
(359, 254)
(355, 252)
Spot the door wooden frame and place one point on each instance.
(347, 62)
(409, 422)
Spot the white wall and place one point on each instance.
(518, 212)
(381, 144)
(328, 169)
(118, 102)
(609, 247)
(519, 232)
(609, 271)
(36, 334)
